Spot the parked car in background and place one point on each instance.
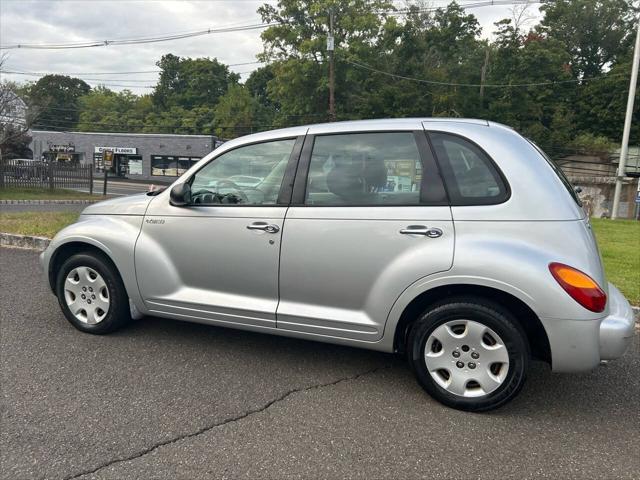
(453, 242)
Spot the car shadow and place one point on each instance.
(606, 389)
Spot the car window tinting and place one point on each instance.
(364, 169)
(470, 175)
(558, 171)
(250, 175)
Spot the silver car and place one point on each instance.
(456, 243)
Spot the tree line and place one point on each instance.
(562, 82)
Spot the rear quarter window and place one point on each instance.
(558, 171)
(471, 177)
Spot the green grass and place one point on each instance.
(16, 193)
(619, 242)
(40, 224)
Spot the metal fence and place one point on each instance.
(34, 174)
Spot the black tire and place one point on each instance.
(489, 314)
(118, 313)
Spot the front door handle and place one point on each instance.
(422, 230)
(264, 226)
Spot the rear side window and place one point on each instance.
(364, 169)
(558, 171)
(470, 175)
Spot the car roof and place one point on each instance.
(346, 125)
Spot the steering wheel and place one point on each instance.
(239, 190)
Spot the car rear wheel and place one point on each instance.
(469, 354)
(91, 294)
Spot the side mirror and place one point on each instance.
(180, 195)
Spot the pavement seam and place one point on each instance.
(226, 421)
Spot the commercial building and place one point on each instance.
(140, 156)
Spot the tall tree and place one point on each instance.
(237, 113)
(58, 97)
(191, 82)
(297, 48)
(257, 84)
(103, 110)
(595, 32)
(530, 63)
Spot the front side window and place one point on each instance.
(470, 175)
(250, 175)
(364, 169)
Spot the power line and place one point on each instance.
(136, 41)
(486, 3)
(101, 81)
(455, 84)
(17, 72)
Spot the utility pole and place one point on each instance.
(330, 47)
(624, 148)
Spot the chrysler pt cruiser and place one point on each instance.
(456, 243)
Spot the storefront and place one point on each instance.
(124, 161)
(154, 157)
(61, 153)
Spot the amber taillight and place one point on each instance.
(580, 286)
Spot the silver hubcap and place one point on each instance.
(87, 295)
(466, 358)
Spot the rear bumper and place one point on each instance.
(580, 345)
(616, 330)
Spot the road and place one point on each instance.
(165, 399)
(119, 187)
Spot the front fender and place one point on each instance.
(114, 235)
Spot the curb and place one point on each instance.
(24, 241)
(48, 202)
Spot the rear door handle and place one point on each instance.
(422, 230)
(264, 226)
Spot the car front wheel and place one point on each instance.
(91, 294)
(469, 354)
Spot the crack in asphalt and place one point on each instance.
(226, 421)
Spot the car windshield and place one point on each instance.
(563, 178)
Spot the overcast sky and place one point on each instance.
(66, 21)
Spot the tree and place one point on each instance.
(16, 118)
(538, 109)
(258, 83)
(296, 46)
(601, 105)
(103, 110)
(595, 32)
(58, 96)
(191, 82)
(237, 113)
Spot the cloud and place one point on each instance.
(65, 21)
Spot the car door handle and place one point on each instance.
(266, 227)
(422, 230)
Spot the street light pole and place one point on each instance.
(624, 148)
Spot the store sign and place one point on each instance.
(107, 158)
(62, 148)
(117, 150)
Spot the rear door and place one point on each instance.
(369, 217)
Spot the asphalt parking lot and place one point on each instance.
(166, 399)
